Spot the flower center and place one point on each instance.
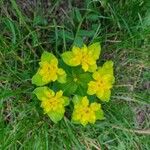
(100, 83)
(85, 58)
(50, 104)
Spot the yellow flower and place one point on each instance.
(52, 103)
(84, 56)
(103, 81)
(84, 113)
(48, 71)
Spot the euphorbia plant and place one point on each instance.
(74, 78)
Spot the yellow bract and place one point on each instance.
(53, 103)
(103, 81)
(85, 113)
(84, 56)
(48, 71)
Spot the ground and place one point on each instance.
(30, 27)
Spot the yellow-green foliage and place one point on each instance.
(73, 80)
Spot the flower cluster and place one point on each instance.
(78, 79)
(103, 81)
(85, 113)
(48, 71)
(52, 103)
(84, 56)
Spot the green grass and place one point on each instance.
(123, 29)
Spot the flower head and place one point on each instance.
(48, 70)
(84, 56)
(85, 113)
(52, 103)
(103, 81)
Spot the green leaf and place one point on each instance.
(100, 115)
(67, 56)
(107, 69)
(46, 56)
(78, 41)
(75, 122)
(37, 80)
(95, 49)
(78, 15)
(81, 90)
(76, 71)
(68, 69)
(84, 79)
(68, 88)
(66, 99)
(62, 78)
(106, 96)
(92, 68)
(76, 99)
(86, 33)
(55, 116)
(40, 92)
